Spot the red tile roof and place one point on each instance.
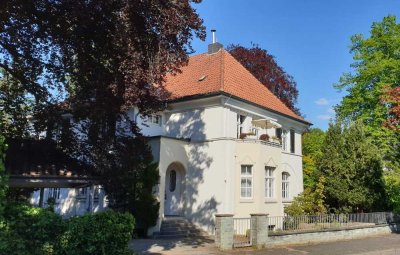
(220, 72)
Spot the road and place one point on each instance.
(378, 245)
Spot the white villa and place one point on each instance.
(225, 144)
(213, 154)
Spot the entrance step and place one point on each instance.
(178, 227)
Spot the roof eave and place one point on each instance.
(217, 93)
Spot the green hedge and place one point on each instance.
(102, 233)
(27, 230)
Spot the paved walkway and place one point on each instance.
(379, 245)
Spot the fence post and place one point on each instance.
(259, 229)
(224, 231)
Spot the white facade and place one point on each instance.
(205, 168)
(71, 202)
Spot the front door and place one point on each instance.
(173, 187)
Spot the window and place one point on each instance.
(292, 140)
(284, 140)
(285, 185)
(269, 182)
(246, 181)
(54, 193)
(156, 119)
(81, 193)
(96, 194)
(172, 181)
(240, 121)
(278, 133)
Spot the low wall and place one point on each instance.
(329, 235)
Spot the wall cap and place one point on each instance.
(223, 215)
(259, 214)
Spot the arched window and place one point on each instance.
(172, 181)
(285, 185)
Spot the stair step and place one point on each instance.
(178, 227)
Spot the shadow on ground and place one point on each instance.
(159, 246)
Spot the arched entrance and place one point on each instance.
(174, 189)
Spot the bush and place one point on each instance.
(101, 233)
(3, 177)
(29, 230)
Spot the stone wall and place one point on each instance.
(329, 235)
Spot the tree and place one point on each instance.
(392, 97)
(130, 175)
(310, 202)
(376, 68)
(311, 144)
(100, 57)
(351, 165)
(264, 67)
(94, 60)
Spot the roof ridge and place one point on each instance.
(222, 67)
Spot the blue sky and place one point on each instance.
(310, 39)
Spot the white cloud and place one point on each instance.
(322, 101)
(324, 117)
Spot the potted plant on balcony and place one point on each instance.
(264, 137)
(276, 139)
(243, 135)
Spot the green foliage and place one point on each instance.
(101, 233)
(35, 231)
(376, 69)
(27, 230)
(310, 202)
(392, 186)
(311, 144)
(130, 180)
(3, 176)
(352, 166)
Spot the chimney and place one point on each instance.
(214, 46)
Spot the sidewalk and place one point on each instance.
(378, 245)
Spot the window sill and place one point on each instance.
(246, 200)
(287, 201)
(270, 200)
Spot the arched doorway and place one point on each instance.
(174, 188)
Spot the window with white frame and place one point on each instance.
(284, 139)
(269, 182)
(292, 142)
(54, 193)
(246, 181)
(285, 185)
(154, 118)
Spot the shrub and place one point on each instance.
(29, 230)
(101, 233)
(3, 177)
(264, 137)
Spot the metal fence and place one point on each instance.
(281, 224)
(242, 232)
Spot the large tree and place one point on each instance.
(392, 98)
(376, 69)
(311, 144)
(351, 165)
(103, 57)
(92, 60)
(264, 67)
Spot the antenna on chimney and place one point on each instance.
(213, 35)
